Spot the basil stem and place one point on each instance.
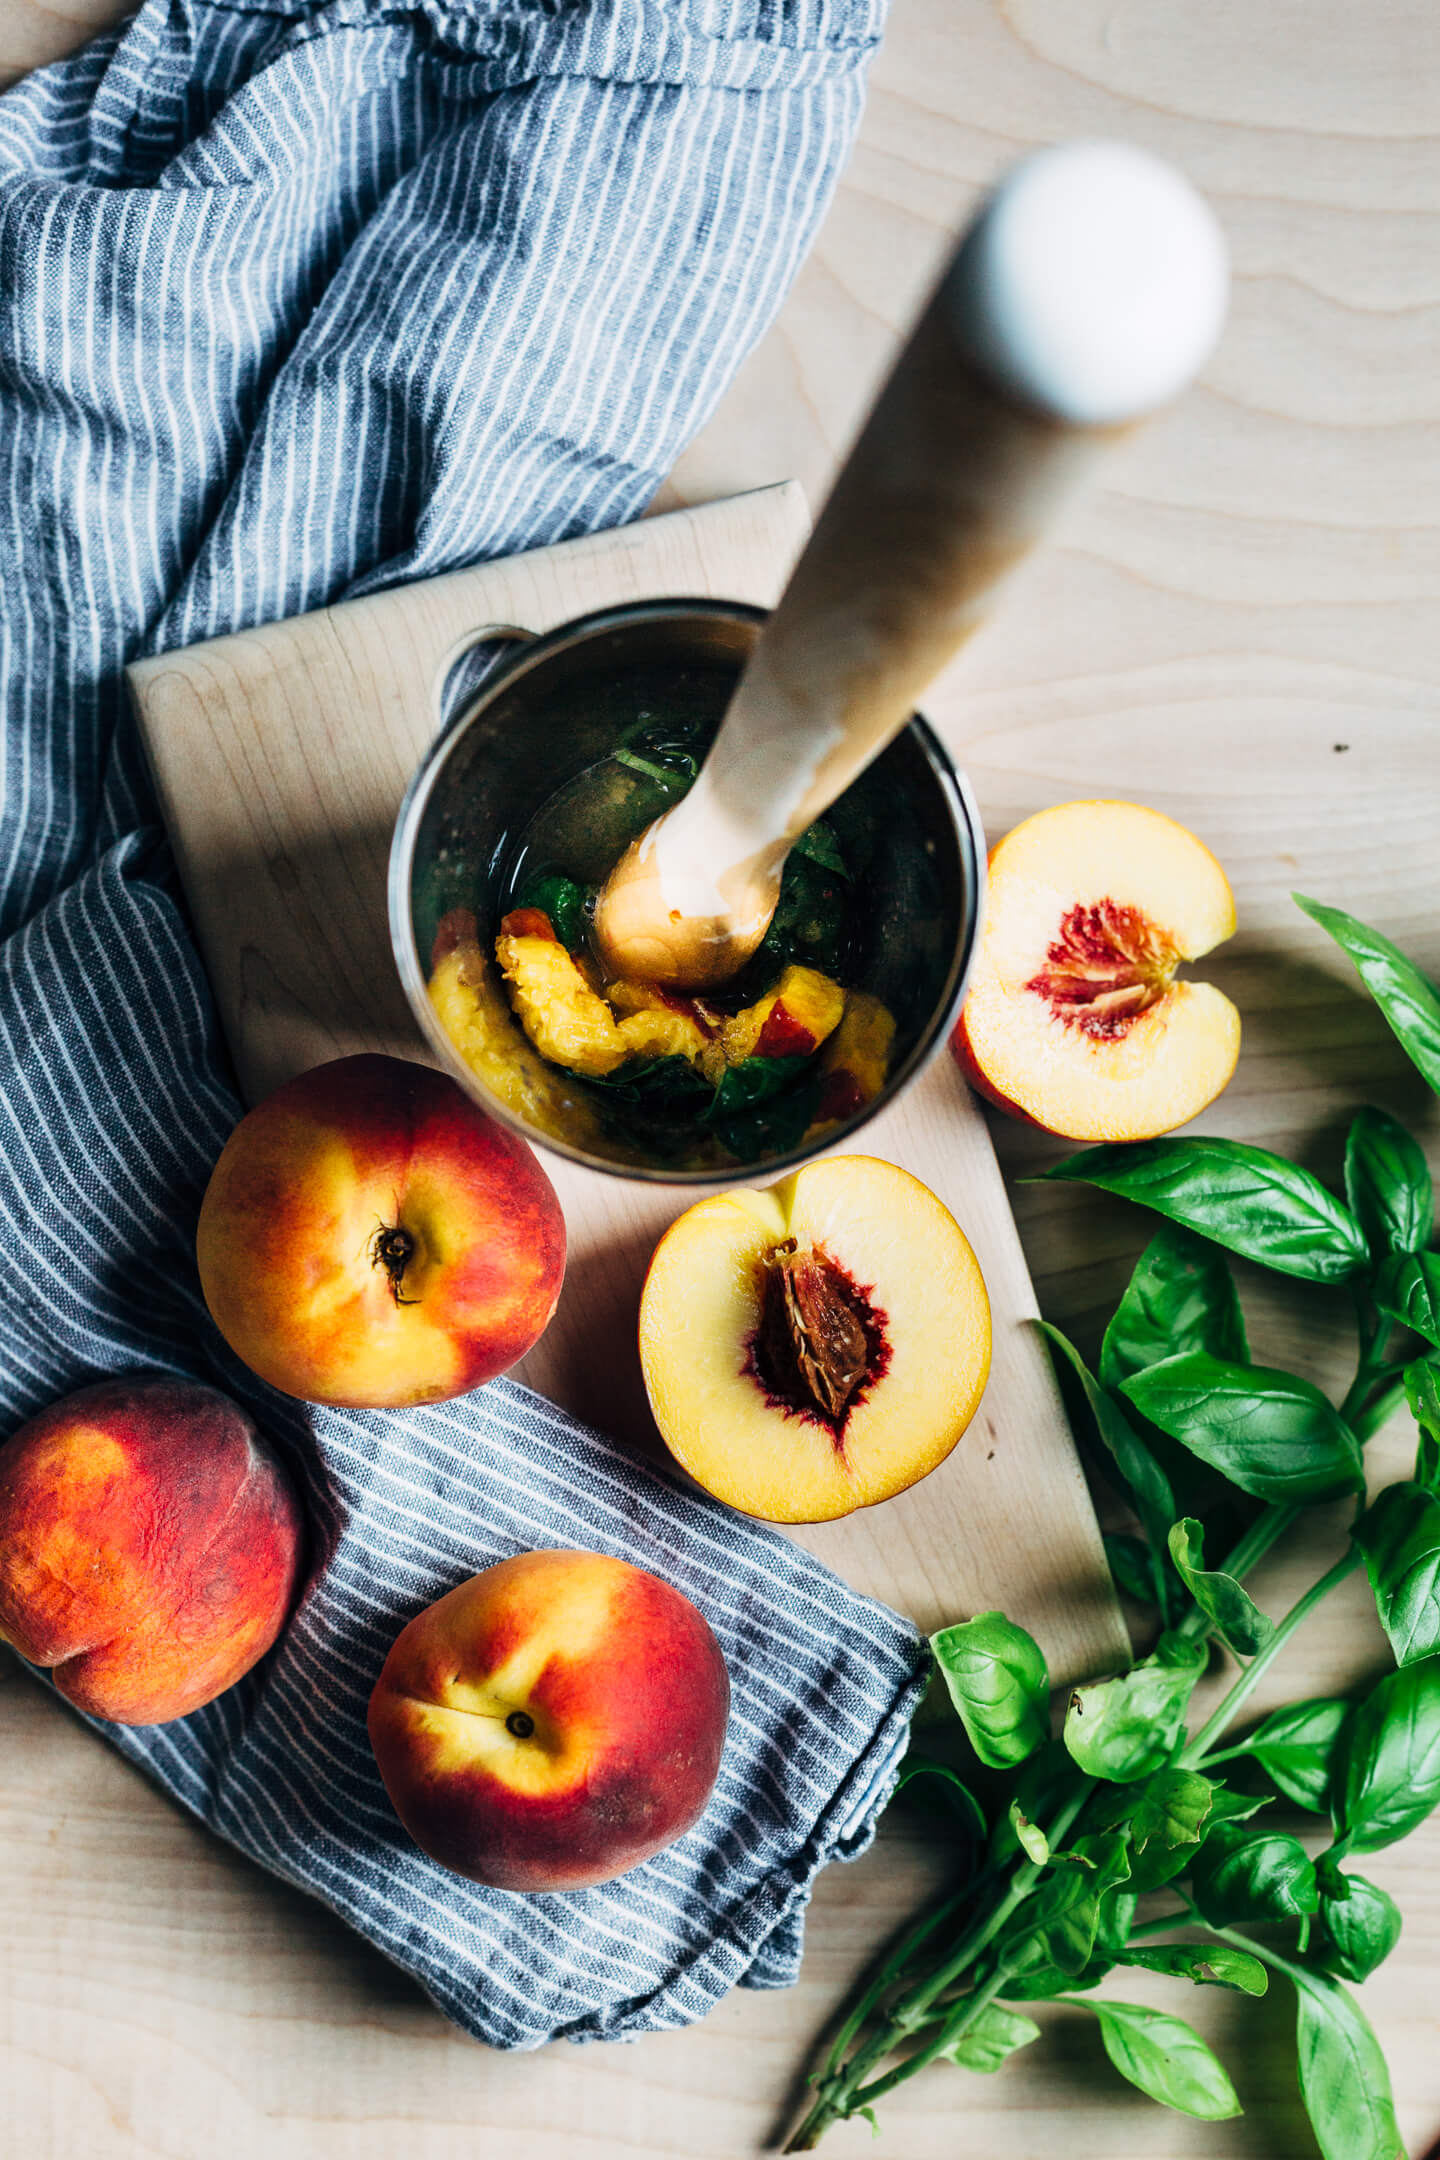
(839, 2092)
(1234, 1701)
(950, 2031)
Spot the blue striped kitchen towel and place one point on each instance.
(295, 301)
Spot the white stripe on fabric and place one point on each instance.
(418, 287)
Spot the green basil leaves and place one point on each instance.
(1422, 1392)
(1255, 1203)
(1387, 1183)
(1271, 1433)
(995, 2034)
(1388, 1779)
(1207, 1967)
(1344, 2081)
(1180, 1297)
(1408, 1000)
(1244, 1874)
(1359, 1924)
(1407, 1287)
(1296, 1748)
(1220, 1597)
(1167, 2059)
(1125, 1728)
(1400, 1538)
(996, 1676)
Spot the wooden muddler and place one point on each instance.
(1087, 292)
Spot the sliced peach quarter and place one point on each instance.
(1075, 1018)
(814, 1348)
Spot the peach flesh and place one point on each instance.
(909, 1346)
(1106, 967)
(1075, 1020)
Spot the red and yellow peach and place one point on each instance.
(370, 1237)
(149, 1546)
(552, 1722)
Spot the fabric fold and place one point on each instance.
(296, 302)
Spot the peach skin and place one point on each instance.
(552, 1722)
(149, 1546)
(370, 1237)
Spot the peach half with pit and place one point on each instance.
(1075, 1018)
(814, 1348)
(150, 1546)
(552, 1722)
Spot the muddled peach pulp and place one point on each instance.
(792, 1046)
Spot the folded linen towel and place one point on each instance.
(295, 302)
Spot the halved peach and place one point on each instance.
(814, 1348)
(1075, 1018)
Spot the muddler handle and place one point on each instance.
(1087, 292)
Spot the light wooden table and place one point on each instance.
(1240, 630)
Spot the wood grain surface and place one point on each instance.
(1239, 628)
(281, 757)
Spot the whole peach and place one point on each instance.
(552, 1722)
(370, 1237)
(149, 1546)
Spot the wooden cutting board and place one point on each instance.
(281, 755)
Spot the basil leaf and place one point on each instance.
(1130, 1564)
(1042, 1982)
(1407, 1287)
(1387, 1182)
(1144, 1482)
(1219, 1596)
(1165, 1819)
(956, 1791)
(1123, 1729)
(819, 843)
(1054, 1928)
(1271, 1433)
(996, 2033)
(1296, 1748)
(563, 901)
(1422, 1392)
(1230, 1806)
(1220, 1967)
(1029, 1836)
(1048, 1782)
(1180, 1297)
(1167, 2059)
(1243, 1874)
(1409, 1002)
(1399, 1535)
(999, 1685)
(1106, 1856)
(1117, 1917)
(1359, 1924)
(1258, 1204)
(1389, 1776)
(1344, 2081)
(756, 1080)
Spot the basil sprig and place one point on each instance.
(1388, 1184)
(1214, 1456)
(1252, 1202)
